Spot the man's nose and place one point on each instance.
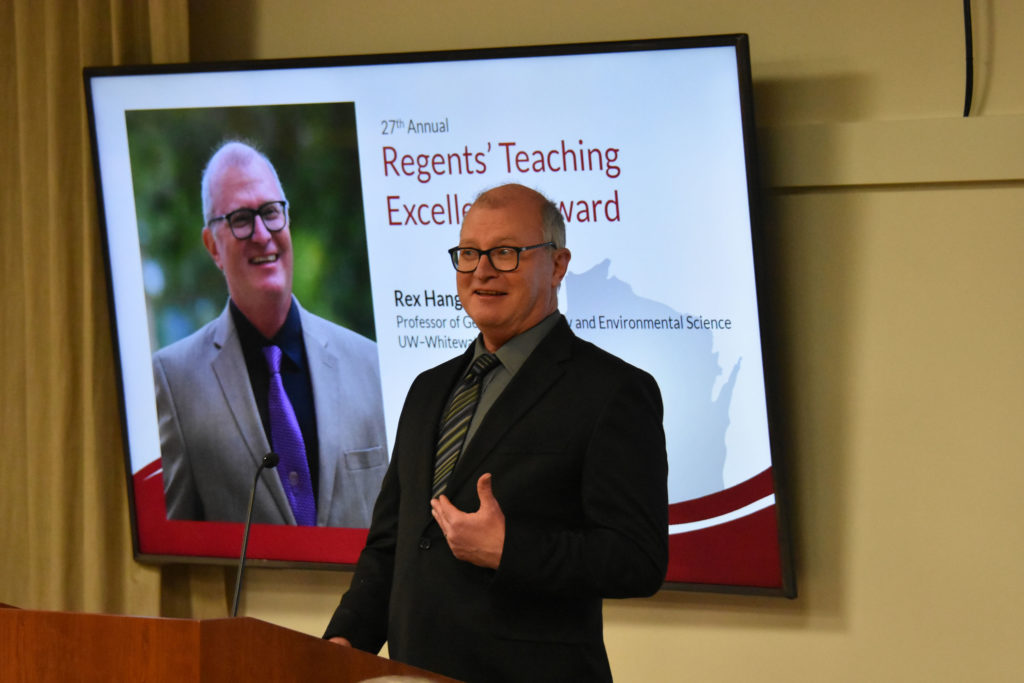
(484, 267)
(260, 233)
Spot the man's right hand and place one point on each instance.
(340, 641)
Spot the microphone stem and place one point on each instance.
(245, 540)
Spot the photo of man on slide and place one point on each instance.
(266, 375)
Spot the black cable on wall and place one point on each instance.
(969, 58)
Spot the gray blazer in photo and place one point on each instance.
(212, 439)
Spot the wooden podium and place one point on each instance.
(64, 646)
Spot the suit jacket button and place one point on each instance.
(424, 543)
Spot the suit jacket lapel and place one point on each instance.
(329, 399)
(542, 369)
(233, 377)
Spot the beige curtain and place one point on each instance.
(65, 540)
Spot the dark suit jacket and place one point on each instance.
(577, 451)
(212, 439)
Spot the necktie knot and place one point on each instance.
(481, 366)
(273, 356)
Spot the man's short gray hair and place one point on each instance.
(553, 223)
(232, 153)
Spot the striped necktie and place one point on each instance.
(457, 417)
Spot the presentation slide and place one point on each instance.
(643, 151)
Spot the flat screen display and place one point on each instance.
(646, 146)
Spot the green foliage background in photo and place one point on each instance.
(314, 149)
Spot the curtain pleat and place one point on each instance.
(65, 540)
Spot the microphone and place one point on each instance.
(270, 461)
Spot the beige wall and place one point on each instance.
(894, 232)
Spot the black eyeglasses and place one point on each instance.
(505, 259)
(243, 221)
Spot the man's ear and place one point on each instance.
(561, 257)
(211, 246)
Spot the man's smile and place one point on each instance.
(260, 260)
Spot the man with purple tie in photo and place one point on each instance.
(266, 375)
(527, 481)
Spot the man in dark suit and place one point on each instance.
(494, 569)
(217, 401)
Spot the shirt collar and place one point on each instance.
(288, 338)
(516, 350)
